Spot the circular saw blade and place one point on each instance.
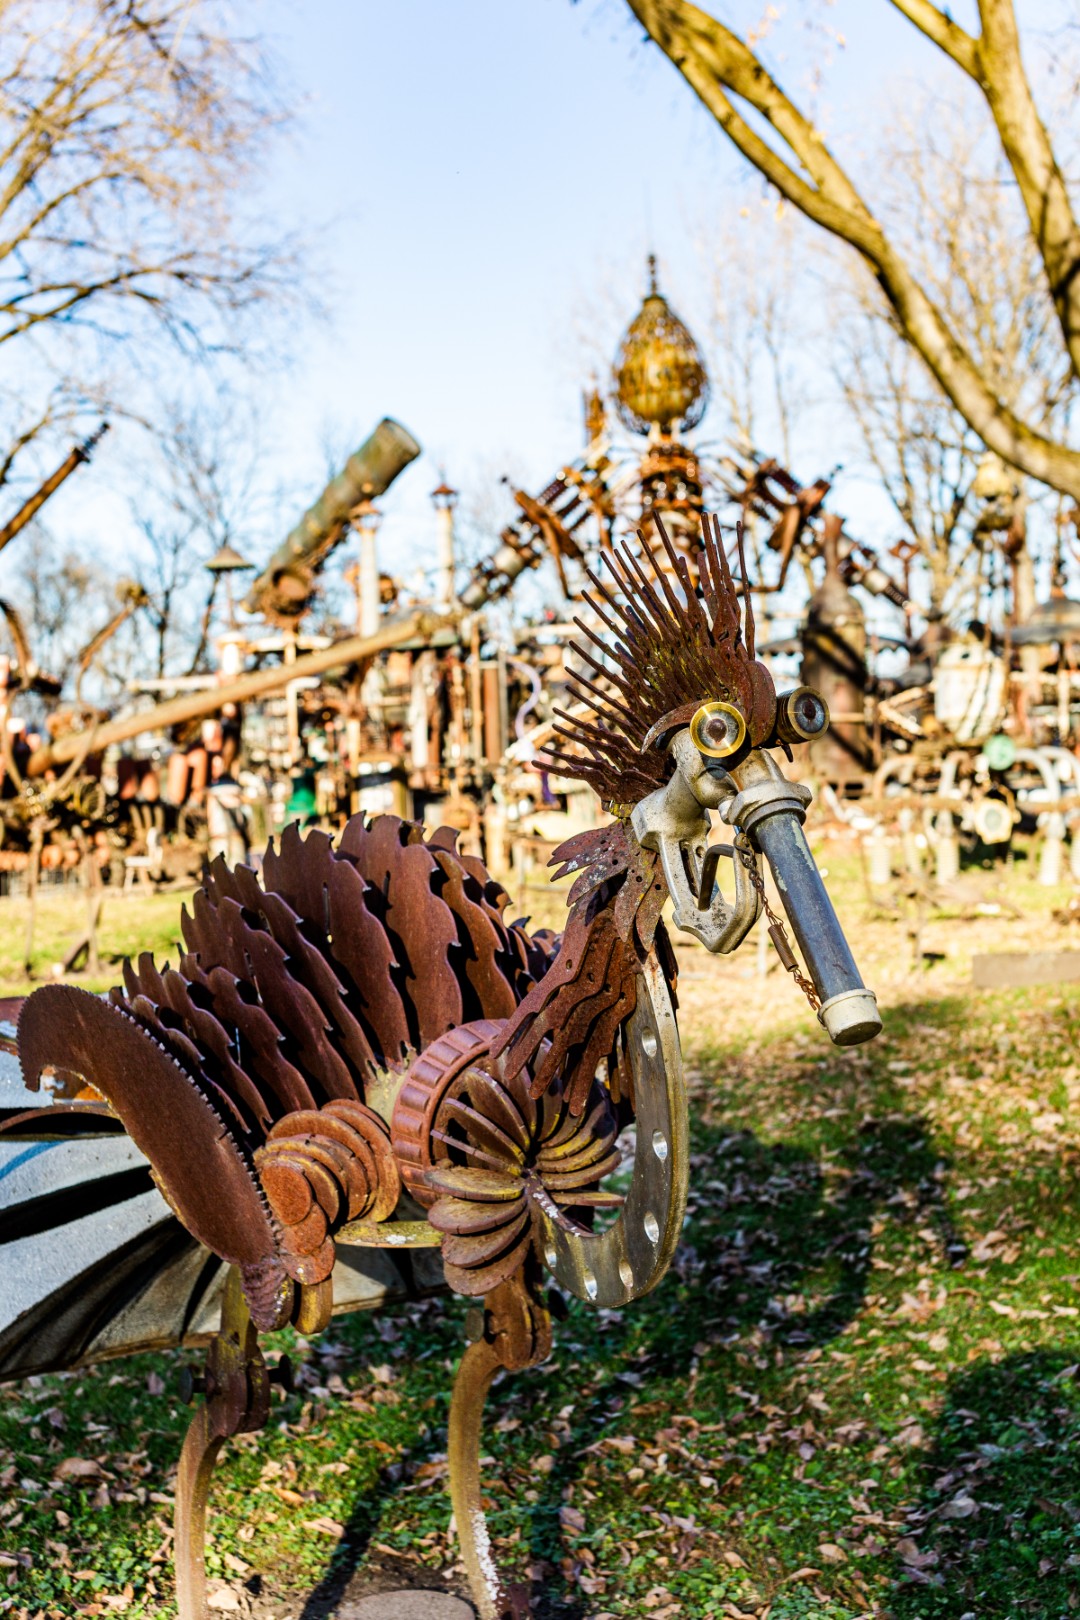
(196, 1161)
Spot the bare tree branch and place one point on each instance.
(1026, 144)
(939, 27)
(719, 66)
(130, 134)
(995, 62)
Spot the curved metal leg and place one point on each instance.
(197, 1460)
(478, 1367)
(236, 1386)
(516, 1333)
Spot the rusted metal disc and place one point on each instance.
(472, 1281)
(465, 1219)
(480, 1186)
(386, 1181)
(473, 1249)
(288, 1189)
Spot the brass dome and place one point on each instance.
(660, 376)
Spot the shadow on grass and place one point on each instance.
(762, 1236)
(773, 1258)
(996, 1531)
(776, 1259)
(772, 1249)
(322, 1601)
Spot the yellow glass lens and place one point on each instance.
(718, 730)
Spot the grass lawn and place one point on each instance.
(856, 1393)
(130, 923)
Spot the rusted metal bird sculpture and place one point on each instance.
(357, 1047)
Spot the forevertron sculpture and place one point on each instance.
(360, 1048)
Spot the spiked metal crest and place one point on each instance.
(666, 651)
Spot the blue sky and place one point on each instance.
(474, 177)
(476, 174)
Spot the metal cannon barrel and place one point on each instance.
(78, 456)
(284, 584)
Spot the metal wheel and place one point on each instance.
(628, 1259)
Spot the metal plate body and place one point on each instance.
(94, 1264)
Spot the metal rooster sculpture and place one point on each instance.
(359, 1049)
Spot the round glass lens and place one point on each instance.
(809, 713)
(720, 731)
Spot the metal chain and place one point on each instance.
(777, 931)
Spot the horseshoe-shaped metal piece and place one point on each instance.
(674, 820)
(630, 1257)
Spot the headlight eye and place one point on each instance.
(718, 730)
(802, 715)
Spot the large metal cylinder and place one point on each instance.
(284, 584)
(834, 664)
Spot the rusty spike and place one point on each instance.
(483, 949)
(256, 1038)
(308, 962)
(226, 939)
(215, 1048)
(333, 893)
(172, 1040)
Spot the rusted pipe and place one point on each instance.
(193, 705)
(80, 454)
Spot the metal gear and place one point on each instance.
(488, 1158)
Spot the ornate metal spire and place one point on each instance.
(660, 376)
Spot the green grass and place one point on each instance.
(129, 924)
(857, 1392)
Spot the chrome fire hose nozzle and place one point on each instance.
(770, 810)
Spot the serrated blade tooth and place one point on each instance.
(200, 1166)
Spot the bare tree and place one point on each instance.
(199, 498)
(756, 327)
(921, 452)
(130, 134)
(950, 201)
(784, 144)
(64, 595)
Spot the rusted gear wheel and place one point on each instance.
(425, 1085)
(499, 1170)
(494, 1157)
